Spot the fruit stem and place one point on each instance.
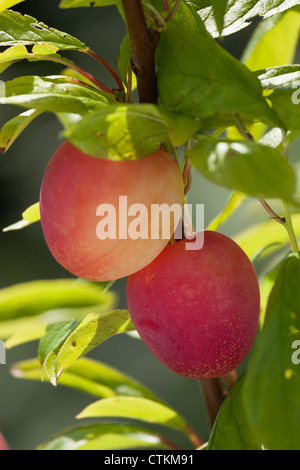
(213, 396)
(143, 45)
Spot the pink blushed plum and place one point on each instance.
(76, 184)
(197, 311)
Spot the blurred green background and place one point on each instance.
(30, 412)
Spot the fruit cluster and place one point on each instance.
(197, 310)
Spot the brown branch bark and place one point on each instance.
(143, 45)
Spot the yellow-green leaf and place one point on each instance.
(29, 216)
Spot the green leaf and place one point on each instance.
(124, 61)
(54, 337)
(5, 4)
(284, 94)
(105, 436)
(247, 167)
(89, 333)
(234, 202)
(120, 132)
(36, 297)
(39, 52)
(239, 14)
(13, 128)
(54, 93)
(87, 3)
(231, 430)
(18, 29)
(29, 216)
(135, 408)
(219, 9)
(89, 376)
(270, 46)
(271, 390)
(129, 131)
(198, 78)
(268, 233)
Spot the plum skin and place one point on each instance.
(75, 184)
(197, 311)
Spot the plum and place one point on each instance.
(76, 185)
(197, 310)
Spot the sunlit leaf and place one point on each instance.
(18, 29)
(36, 297)
(105, 436)
(89, 333)
(13, 128)
(234, 202)
(135, 408)
(198, 78)
(270, 46)
(245, 166)
(239, 14)
(268, 233)
(271, 389)
(5, 4)
(29, 216)
(89, 376)
(54, 94)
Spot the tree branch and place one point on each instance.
(143, 45)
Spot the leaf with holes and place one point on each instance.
(18, 29)
(89, 333)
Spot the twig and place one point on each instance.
(173, 11)
(77, 69)
(272, 214)
(156, 13)
(143, 45)
(108, 67)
